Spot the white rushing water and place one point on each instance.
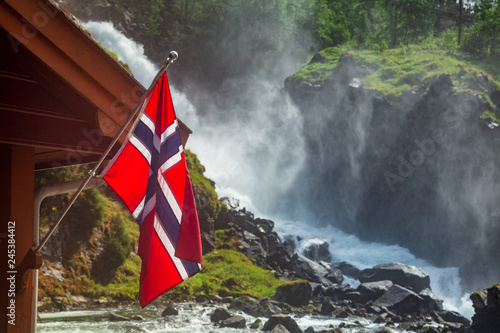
(214, 149)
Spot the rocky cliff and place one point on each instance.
(416, 166)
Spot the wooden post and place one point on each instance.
(17, 177)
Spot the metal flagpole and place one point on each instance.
(171, 58)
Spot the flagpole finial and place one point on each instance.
(172, 56)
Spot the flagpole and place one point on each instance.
(171, 58)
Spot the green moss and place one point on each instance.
(396, 70)
(229, 273)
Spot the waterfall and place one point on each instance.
(254, 150)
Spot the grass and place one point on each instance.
(405, 68)
(228, 273)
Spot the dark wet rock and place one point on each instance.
(288, 322)
(256, 325)
(309, 330)
(407, 276)
(137, 318)
(220, 314)
(487, 310)
(279, 329)
(317, 249)
(347, 269)
(296, 294)
(202, 299)
(169, 311)
(401, 300)
(307, 269)
(234, 322)
(431, 301)
(326, 308)
(268, 307)
(116, 317)
(247, 305)
(372, 290)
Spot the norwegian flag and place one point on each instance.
(150, 175)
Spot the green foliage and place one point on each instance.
(484, 35)
(228, 273)
(115, 252)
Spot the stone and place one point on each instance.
(326, 308)
(346, 269)
(309, 330)
(288, 322)
(169, 311)
(220, 314)
(372, 290)
(487, 310)
(247, 305)
(296, 294)
(256, 325)
(407, 276)
(234, 322)
(401, 300)
(279, 329)
(316, 249)
(116, 317)
(308, 269)
(431, 301)
(137, 317)
(202, 299)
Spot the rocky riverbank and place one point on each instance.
(392, 295)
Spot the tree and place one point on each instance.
(488, 22)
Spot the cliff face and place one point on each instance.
(417, 168)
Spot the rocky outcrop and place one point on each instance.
(419, 169)
(410, 277)
(487, 307)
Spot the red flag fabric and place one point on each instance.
(150, 175)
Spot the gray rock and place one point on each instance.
(247, 305)
(279, 329)
(326, 308)
(234, 322)
(116, 317)
(288, 322)
(347, 269)
(372, 290)
(169, 311)
(220, 314)
(317, 249)
(431, 301)
(307, 269)
(256, 325)
(137, 317)
(296, 294)
(407, 276)
(401, 300)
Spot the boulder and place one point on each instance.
(116, 317)
(326, 308)
(279, 329)
(407, 276)
(220, 314)
(169, 311)
(316, 249)
(234, 322)
(372, 290)
(256, 325)
(296, 293)
(347, 269)
(431, 301)
(487, 310)
(288, 322)
(307, 269)
(401, 301)
(137, 317)
(247, 305)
